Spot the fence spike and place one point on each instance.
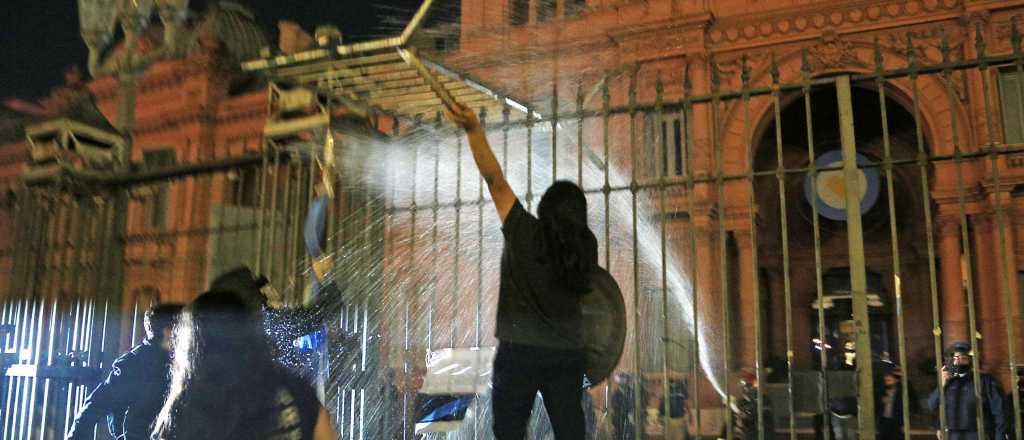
(745, 71)
(979, 45)
(879, 59)
(1015, 36)
(805, 67)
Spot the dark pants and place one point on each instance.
(889, 428)
(520, 371)
(961, 435)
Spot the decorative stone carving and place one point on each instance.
(833, 53)
(822, 18)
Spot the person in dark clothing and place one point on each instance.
(622, 406)
(962, 404)
(283, 325)
(545, 270)
(225, 384)
(889, 405)
(131, 396)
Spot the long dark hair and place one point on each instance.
(567, 239)
(220, 358)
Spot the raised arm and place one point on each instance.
(488, 165)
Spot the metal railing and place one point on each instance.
(718, 243)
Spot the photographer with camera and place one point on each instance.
(962, 402)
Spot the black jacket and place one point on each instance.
(961, 404)
(131, 396)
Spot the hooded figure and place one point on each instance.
(283, 325)
(961, 402)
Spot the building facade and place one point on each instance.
(725, 172)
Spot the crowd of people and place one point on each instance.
(184, 382)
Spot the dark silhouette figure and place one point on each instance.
(133, 392)
(962, 403)
(545, 270)
(225, 384)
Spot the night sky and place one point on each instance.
(39, 38)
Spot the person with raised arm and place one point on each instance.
(546, 266)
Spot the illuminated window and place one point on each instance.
(1011, 105)
(158, 204)
(666, 148)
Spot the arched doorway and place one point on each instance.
(809, 257)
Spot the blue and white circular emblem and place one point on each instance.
(831, 197)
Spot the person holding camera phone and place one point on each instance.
(961, 402)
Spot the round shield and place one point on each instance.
(604, 326)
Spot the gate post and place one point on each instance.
(858, 278)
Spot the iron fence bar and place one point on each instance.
(823, 391)
(605, 141)
(391, 238)
(479, 252)
(479, 276)
(99, 235)
(261, 209)
(292, 200)
(1015, 40)
(458, 232)
(221, 219)
(858, 278)
(246, 178)
(412, 256)
(784, 235)
(720, 217)
(893, 238)
(923, 166)
(12, 388)
(50, 412)
(35, 360)
(1018, 64)
(579, 134)
(303, 263)
(298, 247)
(303, 182)
(997, 187)
(275, 189)
(637, 396)
(687, 110)
(659, 140)
(954, 129)
(433, 241)
(755, 267)
(280, 269)
(554, 127)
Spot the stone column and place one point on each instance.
(746, 332)
(954, 308)
(711, 325)
(988, 303)
(1004, 248)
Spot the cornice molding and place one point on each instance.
(802, 22)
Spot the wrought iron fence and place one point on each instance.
(722, 196)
